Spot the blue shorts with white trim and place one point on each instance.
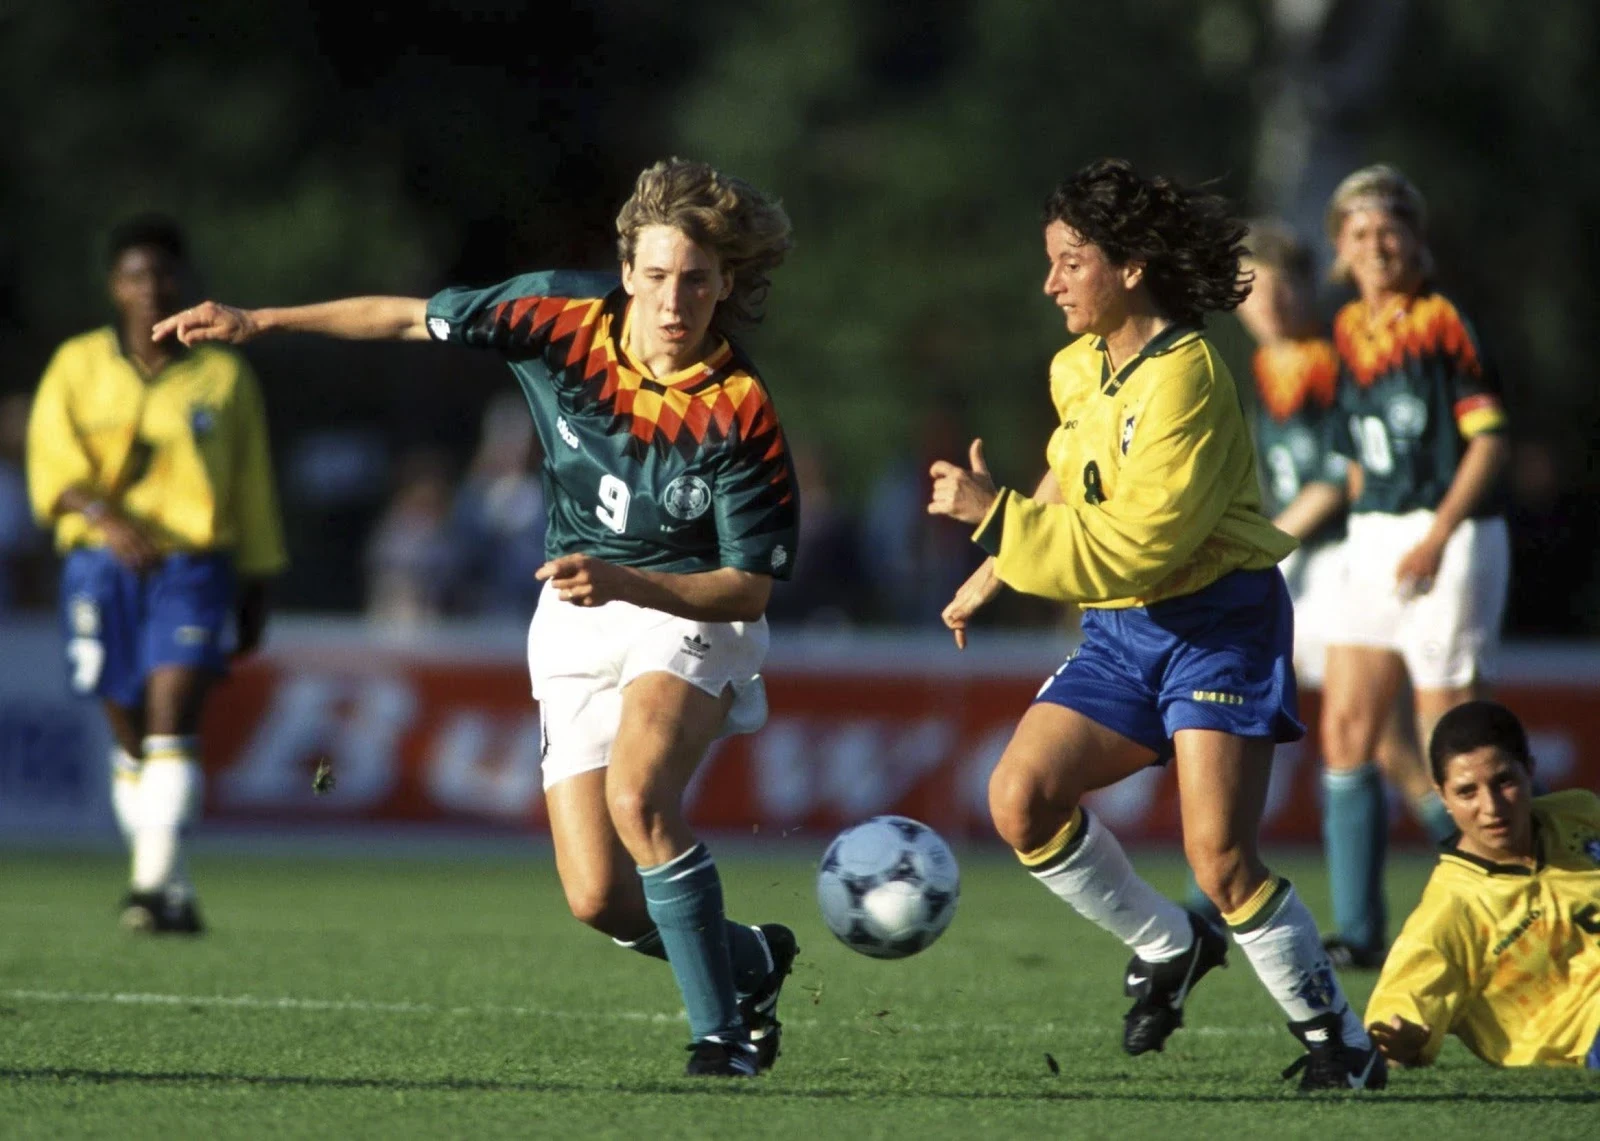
(1221, 658)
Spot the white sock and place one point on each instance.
(1279, 937)
(169, 791)
(1086, 867)
(125, 772)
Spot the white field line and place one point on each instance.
(888, 1023)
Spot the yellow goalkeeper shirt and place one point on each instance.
(183, 454)
(1505, 957)
(1158, 476)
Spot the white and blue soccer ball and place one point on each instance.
(888, 887)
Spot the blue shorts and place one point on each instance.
(120, 625)
(1221, 658)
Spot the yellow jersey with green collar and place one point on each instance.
(1506, 957)
(184, 453)
(1157, 472)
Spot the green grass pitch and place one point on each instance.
(449, 995)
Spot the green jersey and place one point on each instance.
(1414, 389)
(1295, 384)
(683, 473)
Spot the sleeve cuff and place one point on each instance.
(989, 531)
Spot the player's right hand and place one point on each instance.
(128, 544)
(1399, 1041)
(981, 586)
(209, 321)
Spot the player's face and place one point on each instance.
(144, 285)
(675, 284)
(1381, 250)
(1092, 293)
(1487, 792)
(1272, 310)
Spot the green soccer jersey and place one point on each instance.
(683, 473)
(1414, 389)
(1295, 384)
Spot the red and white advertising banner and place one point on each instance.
(442, 729)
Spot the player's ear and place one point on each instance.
(1132, 274)
(727, 285)
(627, 277)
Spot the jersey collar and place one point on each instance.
(694, 374)
(1173, 336)
(1494, 869)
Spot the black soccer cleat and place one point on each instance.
(714, 1058)
(1330, 1064)
(1347, 956)
(760, 1008)
(153, 913)
(1160, 989)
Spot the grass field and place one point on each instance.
(450, 996)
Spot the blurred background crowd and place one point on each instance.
(312, 154)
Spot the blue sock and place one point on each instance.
(747, 950)
(1435, 819)
(684, 897)
(1355, 831)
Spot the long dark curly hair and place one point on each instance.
(1189, 241)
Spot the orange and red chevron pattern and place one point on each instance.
(1290, 373)
(714, 400)
(1374, 345)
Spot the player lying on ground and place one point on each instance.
(673, 506)
(151, 462)
(1503, 951)
(1150, 518)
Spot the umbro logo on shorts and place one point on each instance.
(1215, 696)
(695, 646)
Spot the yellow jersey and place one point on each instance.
(1505, 957)
(183, 454)
(1157, 470)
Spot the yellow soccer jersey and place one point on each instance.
(1507, 958)
(184, 454)
(1158, 476)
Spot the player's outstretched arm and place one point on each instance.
(1315, 505)
(352, 318)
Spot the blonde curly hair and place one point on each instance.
(747, 230)
(1383, 186)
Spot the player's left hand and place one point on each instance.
(1399, 1041)
(1414, 574)
(585, 580)
(963, 495)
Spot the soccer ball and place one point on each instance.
(888, 887)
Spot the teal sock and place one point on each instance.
(684, 897)
(1435, 819)
(1355, 831)
(747, 950)
(1200, 903)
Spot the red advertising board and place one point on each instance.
(857, 727)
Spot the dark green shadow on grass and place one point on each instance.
(69, 1075)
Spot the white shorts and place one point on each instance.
(1446, 634)
(581, 657)
(1316, 583)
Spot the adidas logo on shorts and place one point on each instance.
(695, 646)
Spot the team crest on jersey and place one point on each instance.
(1407, 416)
(201, 420)
(687, 497)
(1127, 434)
(1591, 846)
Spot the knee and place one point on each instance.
(636, 812)
(1022, 816)
(597, 904)
(1349, 734)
